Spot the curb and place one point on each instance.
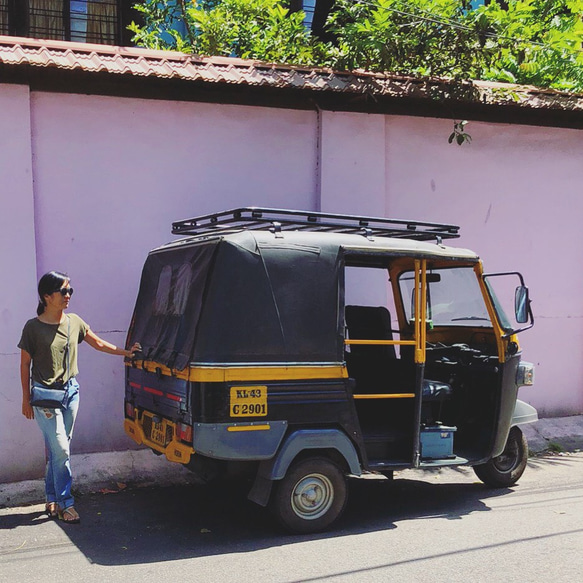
(555, 434)
(103, 472)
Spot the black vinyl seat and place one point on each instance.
(435, 391)
(370, 323)
(374, 367)
(433, 395)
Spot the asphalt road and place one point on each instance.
(440, 526)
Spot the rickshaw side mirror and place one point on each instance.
(521, 302)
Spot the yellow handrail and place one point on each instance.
(386, 396)
(383, 342)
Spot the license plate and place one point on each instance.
(248, 401)
(158, 433)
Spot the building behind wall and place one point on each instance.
(91, 21)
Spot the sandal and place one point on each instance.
(51, 509)
(69, 515)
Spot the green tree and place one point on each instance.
(538, 42)
(422, 38)
(251, 29)
(535, 42)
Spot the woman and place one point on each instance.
(49, 343)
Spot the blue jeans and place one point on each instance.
(57, 427)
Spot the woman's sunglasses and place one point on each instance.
(64, 291)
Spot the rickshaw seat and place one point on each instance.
(433, 395)
(435, 391)
(370, 323)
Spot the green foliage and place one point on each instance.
(404, 37)
(538, 42)
(555, 447)
(250, 29)
(459, 135)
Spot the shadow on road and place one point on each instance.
(140, 526)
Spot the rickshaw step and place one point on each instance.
(453, 461)
(377, 465)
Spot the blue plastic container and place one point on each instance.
(437, 442)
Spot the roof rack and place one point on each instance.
(278, 220)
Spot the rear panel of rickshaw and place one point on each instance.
(265, 356)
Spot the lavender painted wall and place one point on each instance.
(111, 174)
(21, 447)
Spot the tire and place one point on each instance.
(507, 468)
(311, 496)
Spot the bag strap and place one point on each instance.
(67, 347)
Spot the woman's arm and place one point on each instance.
(25, 360)
(104, 346)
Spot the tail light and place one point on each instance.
(184, 432)
(130, 410)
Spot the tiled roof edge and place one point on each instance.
(132, 61)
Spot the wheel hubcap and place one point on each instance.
(508, 459)
(312, 496)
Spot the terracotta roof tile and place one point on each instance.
(130, 61)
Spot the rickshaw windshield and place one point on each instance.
(454, 297)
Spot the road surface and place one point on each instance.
(438, 526)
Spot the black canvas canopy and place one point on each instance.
(169, 303)
(239, 298)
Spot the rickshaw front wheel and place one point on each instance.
(311, 496)
(507, 468)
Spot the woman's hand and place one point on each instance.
(27, 409)
(137, 347)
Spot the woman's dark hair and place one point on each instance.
(48, 284)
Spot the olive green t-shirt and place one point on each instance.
(46, 344)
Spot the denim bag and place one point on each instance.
(48, 397)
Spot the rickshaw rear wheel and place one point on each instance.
(507, 468)
(311, 496)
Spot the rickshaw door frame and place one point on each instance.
(418, 342)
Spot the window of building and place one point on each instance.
(77, 20)
(4, 29)
(91, 21)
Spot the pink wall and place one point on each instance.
(111, 174)
(20, 441)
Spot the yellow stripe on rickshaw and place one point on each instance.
(249, 427)
(233, 373)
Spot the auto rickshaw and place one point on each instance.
(303, 348)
